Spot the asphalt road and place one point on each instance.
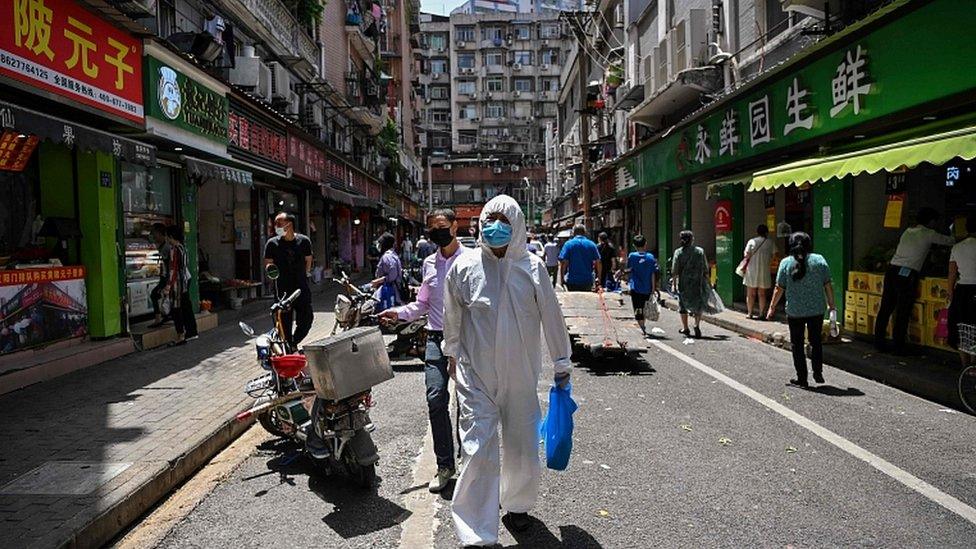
(667, 454)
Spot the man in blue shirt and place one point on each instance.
(642, 268)
(579, 258)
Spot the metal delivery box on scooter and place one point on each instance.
(348, 363)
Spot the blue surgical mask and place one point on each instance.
(497, 234)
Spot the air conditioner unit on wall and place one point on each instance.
(516, 93)
(447, 167)
(516, 66)
(246, 72)
(264, 82)
(460, 43)
(280, 81)
(436, 76)
(496, 169)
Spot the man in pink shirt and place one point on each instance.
(430, 301)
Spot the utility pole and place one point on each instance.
(584, 69)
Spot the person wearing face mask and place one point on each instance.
(430, 301)
(499, 302)
(291, 252)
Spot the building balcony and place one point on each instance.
(519, 69)
(468, 123)
(494, 43)
(275, 25)
(517, 95)
(495, 96)
(358, 41)
(495, 69)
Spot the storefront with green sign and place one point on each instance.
(186, 117)
(845, 142)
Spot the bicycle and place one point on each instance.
(967, 380)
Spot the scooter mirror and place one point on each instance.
(248, 331)
(272, 271)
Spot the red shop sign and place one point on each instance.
(250, 136)
(305, 159)
(60, 47)
(16, 150)
(723, 216)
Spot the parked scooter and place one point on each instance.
(358, 306)
(285, 397)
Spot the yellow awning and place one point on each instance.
(935, 149)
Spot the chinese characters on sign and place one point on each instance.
(702, 150)
(16, 150)
(60, 47)
(796, 105)
(306, 160)
(249, 135)
(42, 305)
(851, 82)
(728, 136)
(176, 98)
(759, 127)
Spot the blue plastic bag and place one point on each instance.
(557, 428)
(388, 295)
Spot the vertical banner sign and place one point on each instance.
(16, 150)
(895, 189)
(60, 47)
(769, 200)
(723, 216)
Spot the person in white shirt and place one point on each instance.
(551, 254)
(962, 287)
(901, 279)
(757, 280)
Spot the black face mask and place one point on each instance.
(441, 237)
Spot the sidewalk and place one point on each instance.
(932, 375)
(87, 453)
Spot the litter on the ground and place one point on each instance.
(657, 331)
(686, 427)
(688, 341)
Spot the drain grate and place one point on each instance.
(75, 478)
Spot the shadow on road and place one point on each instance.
(615, 366)
(830, 390)
(355, 511)
(538, 536)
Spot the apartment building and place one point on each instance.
(490, 84)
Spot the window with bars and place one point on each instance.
(465, 60)
(522, 57)
(495, 84)
(464, 34)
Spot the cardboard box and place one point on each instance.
(876, 283)
(862, 323)
(858, 281)
(874, 304)
(856, 301)
(934, 289)
(850, 320)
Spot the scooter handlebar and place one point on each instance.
(291, 299)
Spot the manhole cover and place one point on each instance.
(65, 477)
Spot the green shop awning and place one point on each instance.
(935, 149)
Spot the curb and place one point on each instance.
(123, 513)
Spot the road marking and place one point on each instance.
(897, 473)
(418, 530)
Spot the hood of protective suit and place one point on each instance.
(507, 206)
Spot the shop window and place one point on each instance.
(147, 199)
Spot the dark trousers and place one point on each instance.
(155, 295)
(814, 325)
(184, 320)
(898, 297)
(579, 287)
(438, 401)
(553, 274)
(301, 313)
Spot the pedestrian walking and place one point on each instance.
(158, 234)
(498, 305)
(425, 247)
(579, 258)
(901, 280)
(389, 272)
(551, 254)
(608, 260)
(804, 278)
(689, 274)
(962, 287)
(756, 276)
(178, 287)
(430, 302)
(291, 252)
(407, 249)
(642, 272)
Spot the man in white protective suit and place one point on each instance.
(497, 306)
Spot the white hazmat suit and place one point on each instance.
(496, 310)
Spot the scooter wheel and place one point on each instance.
(269, 421)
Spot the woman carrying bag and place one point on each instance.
(805, 279)
(754, 270)
(689, 272)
